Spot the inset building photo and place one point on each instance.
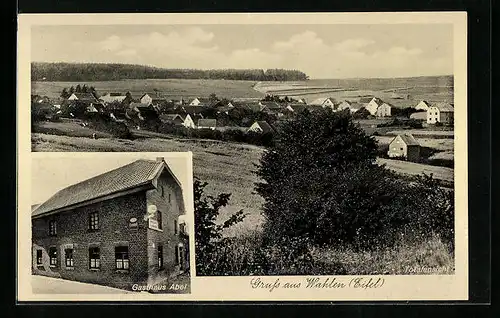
(118, 221)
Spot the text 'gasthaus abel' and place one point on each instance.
(317, 283)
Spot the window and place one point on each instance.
(39, 257)
(161, 190)
(53, 256)
(176, 255)
(158, 218)
(175, 227)
(179, 255)
(68, 256)
(121, 257)
(52, 228)
(160, 256)
(401, 148)
(169, 198)
(182, 228)
(94, 258)
(94, 221)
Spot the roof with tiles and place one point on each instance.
(132, 175)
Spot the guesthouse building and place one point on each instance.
(123, 227)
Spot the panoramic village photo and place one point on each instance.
(110, 224)
(318, 149)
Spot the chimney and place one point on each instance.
(160, 159)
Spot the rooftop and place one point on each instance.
(135, 174)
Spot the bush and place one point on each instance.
(208, 233)
(103, 122)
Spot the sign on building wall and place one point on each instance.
(153, 224)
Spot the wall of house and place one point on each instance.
(114, 229)
(397, 148)
(432, 115)
(372, 107)
(446, 117)
(384, 111)
(413, 153)
(146, 99)
(171, 204)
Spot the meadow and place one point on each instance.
(170, 88)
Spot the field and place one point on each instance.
(69, 128)
(170, 88)
(435, 89)
(227, 167)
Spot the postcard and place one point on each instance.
(242, 157)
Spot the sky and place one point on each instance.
(50, 174)
(321, 51)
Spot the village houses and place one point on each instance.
(352, 106)
(327, 102)
(207, 123)
(113, 98)
(188, 121)
(440, 112)
(384, 110)
(422, 105)
(199, 101)
(404, 146)
(371, 104)
(261, 127)
(123, 227)
(83, 97)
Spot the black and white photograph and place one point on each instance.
(110, 224)
(330, 147)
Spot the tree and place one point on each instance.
(64, 93)
(208, 232)
(321, 181)
(78, 88)
(71, 90)
(213, 97)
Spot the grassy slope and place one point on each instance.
(173, 88)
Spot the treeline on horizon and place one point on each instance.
(78, 72)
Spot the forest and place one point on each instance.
(78, 72)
